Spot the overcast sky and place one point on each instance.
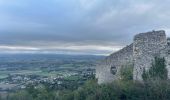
(77, 26)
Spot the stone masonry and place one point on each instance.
(140, 53)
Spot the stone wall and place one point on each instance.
(146, 47)
(166, 54)
(140, 53)
(167, 57)
(108, 70)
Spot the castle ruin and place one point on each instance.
(140, 54)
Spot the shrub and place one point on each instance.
(126, 72)
(158, 88)
(157, 70)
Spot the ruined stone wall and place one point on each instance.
(166, 54)
(108, 70)
(140, 53)
(167, 57)
(146, 47)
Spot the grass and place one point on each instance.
(72, 78)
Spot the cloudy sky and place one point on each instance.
(77, 26)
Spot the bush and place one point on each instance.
(157, 87)
(126, 72)
(118, 90)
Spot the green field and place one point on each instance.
(2, 76)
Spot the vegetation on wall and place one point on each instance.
(157, 70)
(126, 72)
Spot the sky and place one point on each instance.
(98, 27)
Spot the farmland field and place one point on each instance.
(24, 69)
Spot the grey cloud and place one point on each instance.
(79, 22)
